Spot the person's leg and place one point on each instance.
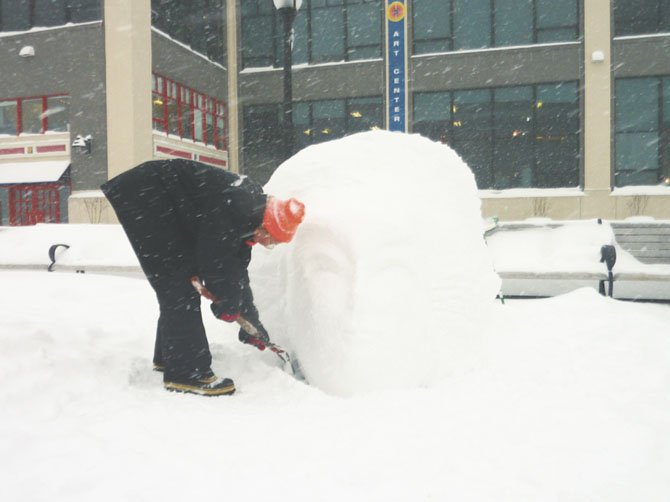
(181, 340)
(158, 351)
(153, 230)
(183, 343)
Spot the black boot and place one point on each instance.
(204, 384)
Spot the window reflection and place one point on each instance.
(8, 116)
(57, 113)
(313, 121)
(641, 17)
(642, 124)
(448, 25)
(336, 30)
(31, 116)
(196, 23)
(21, 15)
(524, 136)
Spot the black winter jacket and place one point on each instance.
(191, 219)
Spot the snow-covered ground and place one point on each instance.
(563, 399)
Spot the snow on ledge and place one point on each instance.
(497, 49)
(87, 194)
(302, 66)
(513, 193)
(642, 190)
(38, 29)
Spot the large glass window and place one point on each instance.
(31, 115)
(258, 33)
(556, 135)
(262, 148)
(432, 26)
(82, 11)
(364, 29)
(184, 112)
(49, 13)
(472, 132)
(8, 116)
(20, 15)
(642, 122)
(448, 25)
(327, 32)
(324, 31)
(313, 122)
(318, 121)
(57, 113)
(15, 16)
(524, 136)
(196, 23)
(557, 20)
(473, 29)
(641, 16)
(513, 22)
(34, 115)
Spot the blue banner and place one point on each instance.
(396, 65)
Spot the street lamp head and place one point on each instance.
(287, 4)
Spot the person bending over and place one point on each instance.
(186, 219)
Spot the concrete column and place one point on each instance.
(128, 81)
(233, 108)
(597, 106)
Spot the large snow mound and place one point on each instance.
(388, 279)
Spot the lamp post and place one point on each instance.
(287, 11)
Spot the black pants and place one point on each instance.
(166, 255)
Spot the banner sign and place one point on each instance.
(396, 65)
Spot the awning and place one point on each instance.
(32, 172)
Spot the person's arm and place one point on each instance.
(249, 313)
(220, 266)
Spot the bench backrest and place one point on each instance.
(647, 242)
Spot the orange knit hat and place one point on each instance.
(282, 217)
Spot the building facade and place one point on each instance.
(560, 107)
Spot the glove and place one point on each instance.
(260, 342)
(221, 312)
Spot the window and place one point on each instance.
(8, 116)
(364, 29)
(432, 26)
(319, 121)
(642, 122)
(556, 20)
(31, 115)
(15, 16)
(21, 15)
(258, 34)
(448, 25)
(523, 136)
(641, 16)
(34, 115)
(196, 23)
(364, 114)
(325, 31)
(184, 112)
(83, 11)
(263, 149)
(49, 13)
(313, 122)
(57, 113)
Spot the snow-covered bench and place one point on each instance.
(540, 257)
(629, 259)
(642, 268)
